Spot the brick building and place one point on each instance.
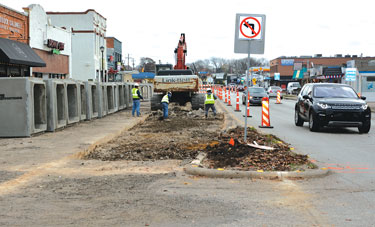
(328, 69)
(114, 58)
(16, 56)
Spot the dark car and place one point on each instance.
(240, 87)
(256, 95)
(332, 105)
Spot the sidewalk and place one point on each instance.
(22, 155)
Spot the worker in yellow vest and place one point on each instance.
(209, 102)
(164, 103)
(136, 100)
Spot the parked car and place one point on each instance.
(332, 105)
(293, 88)
(256, 95)
(272, 91)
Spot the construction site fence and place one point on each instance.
(32, 105)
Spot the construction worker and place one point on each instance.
(165, 103)
(136, 99)
(209, 102)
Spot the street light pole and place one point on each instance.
(102, 71)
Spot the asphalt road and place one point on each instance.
(346, 197)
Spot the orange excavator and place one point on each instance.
(181, 52)
(180, 80)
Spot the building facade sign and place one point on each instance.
(287, 62)
(13, 25)
(55, 44)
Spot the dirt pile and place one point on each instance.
(188, 133)
(240, 156)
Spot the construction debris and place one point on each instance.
(188, 133)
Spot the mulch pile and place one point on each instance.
(240, 156)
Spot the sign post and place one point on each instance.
(249, 37)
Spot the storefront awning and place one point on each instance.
(14, 52)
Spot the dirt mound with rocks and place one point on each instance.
(187, 133)
(182, 137)
(238, 155)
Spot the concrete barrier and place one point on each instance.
(128, 95)
(73, 101)
(82, 96)
(23, 108)
(121, 96)
(111, 107)
(92, 101)
(56, 104)
(102, 97)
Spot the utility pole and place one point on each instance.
(128, 62)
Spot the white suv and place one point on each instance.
(293, 88)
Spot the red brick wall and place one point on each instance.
(58, 64)
(14, 25)
(110, 43)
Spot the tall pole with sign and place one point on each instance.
(249, 38)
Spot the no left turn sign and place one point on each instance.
(250, 28)
(249, 33)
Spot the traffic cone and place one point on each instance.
(225, 95)
(248, 106)
(238, 103)
(266, 122)
(229, 102)
(278, 99)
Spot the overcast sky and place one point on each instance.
(151, 28)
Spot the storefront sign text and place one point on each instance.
(55, 44)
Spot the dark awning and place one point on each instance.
(14, 52)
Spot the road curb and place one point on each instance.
(214, 173)
(195, 168)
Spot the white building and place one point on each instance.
(88, 35)
(52, 44)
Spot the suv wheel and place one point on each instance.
(313, 123)
(297, 119)
(365, 128)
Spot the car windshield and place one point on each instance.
(275, 88)
(256, 90)
(334, 92)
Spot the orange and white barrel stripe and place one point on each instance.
(265, 113)
(278, 99)
(238, 102)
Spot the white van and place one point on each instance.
(293, 88)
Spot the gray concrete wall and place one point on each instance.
(73, 101)
(56, 104)
(31, 105)
(20, 114)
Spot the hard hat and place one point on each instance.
(136, 84)
(169, 93)
(208, 89)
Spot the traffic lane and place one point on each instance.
(346, 197)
